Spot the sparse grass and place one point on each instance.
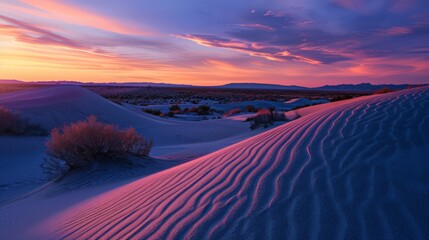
(86, 142)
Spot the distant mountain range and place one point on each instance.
(261, 86)
(362, 87)
(366, 87)
(124, 84)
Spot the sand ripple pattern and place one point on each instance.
(355, 171)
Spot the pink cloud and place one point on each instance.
(268, 52)
(66, 12)
(258, 26)
(396, 31)
(29, 33)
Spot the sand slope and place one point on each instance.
(59, 105)
(353, 171)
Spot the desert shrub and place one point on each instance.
(155, 112)
(341, 97)
(279, 116)
(232, 112)
(201, 110)
(193, 110)
(204, 110)
(384, 90)
(265, 117)
(11, 123)
(250, 108)
(175, 108)
(89, 141)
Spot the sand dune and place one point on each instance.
(59, 105)
(54, 106)
(353, 171)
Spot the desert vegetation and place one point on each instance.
(201, 110)
(265, 117)
(143, 96)
(11, 123)
(86, 142)
(384, 90)
(250, 108)
(155, 112)
(232, 112)
(175, 108)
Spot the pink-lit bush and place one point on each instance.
(11, 123)
(265, 117)
(90, 141)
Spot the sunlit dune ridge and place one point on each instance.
(352, 171)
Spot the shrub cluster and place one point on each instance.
(266, 117)
(155, 112)
(175, 108)
(91, 141)
(341, 97)
(201, 110)
(384, 90)
(250, 108)
(11, 123)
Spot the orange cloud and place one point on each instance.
(252, 49)
(66, 12)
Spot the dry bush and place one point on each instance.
(175, 108)
(11, 123)
(265, 117)
(155, 112)
(232, 112)
(279, 116)
(384, 90)
(201, 110)
(90, 141)
(250, 108)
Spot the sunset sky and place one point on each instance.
(213, 42)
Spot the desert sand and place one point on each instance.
(354, 169)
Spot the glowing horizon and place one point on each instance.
(307, 43)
